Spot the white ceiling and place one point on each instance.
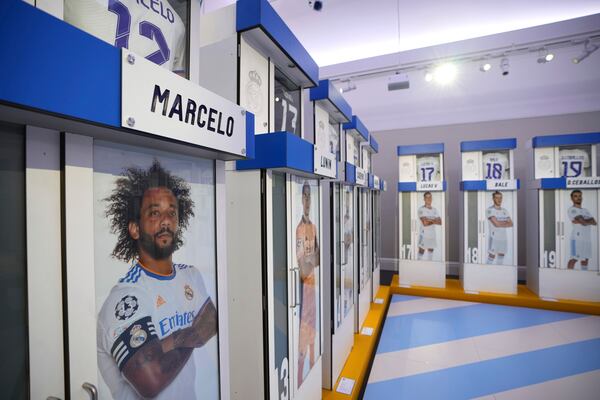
(350, 37)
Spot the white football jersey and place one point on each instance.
(573, 162)
(152, 29)
(502, 215)
(428, 169)
(143, 306)
(495, 166)
(428, 232)
(580, 232)
(334, 139)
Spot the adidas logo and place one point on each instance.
(159, 301)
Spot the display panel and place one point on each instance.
(14, 379)
(280, 283)
(472, 254)
(288, 101)
(306, 255)
(254, 85)
(366, 223)
(406, 250)
(579, 211)
(156, 30)
(549, 234)
(429, 242)
(499, 228)
(155, 274)
(428, 168)
(348, 248)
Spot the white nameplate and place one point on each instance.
(589, 182)
(367, 331)
(157, 101)
(361, 176)
(509, 184)
(378, 300)
(435, 186)
(325, 163)
(345, 386)
(376, 181)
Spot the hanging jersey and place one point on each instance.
(334, 139)
(573, 162)
(287, 109)
(428, 169)
(501, 215)
(495, 166)
(152, 29)
(143, 306)
(427, 236)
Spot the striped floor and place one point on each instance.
(447, 349)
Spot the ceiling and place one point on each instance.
(354, 38)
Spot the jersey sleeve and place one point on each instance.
(420, 212)
(125, 323)
(573, 213)
(179, 60)
(586, 160)
(199, 286)
(489, 213)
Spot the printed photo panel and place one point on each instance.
(306, 258)
(429, 226)
(348, 247)
(580, 216)
(155, 272)
(156, 30)
(499, 228)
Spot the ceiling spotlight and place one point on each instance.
(588, 48)
(504, 66)
(445, 73)
(398, 81)
(315, 5)
(545, 57)
(428, 76)
(349, 87)
(485, 67)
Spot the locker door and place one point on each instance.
(472, 228)
(406, 224)
(550, 226)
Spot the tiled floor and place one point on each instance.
(446, 349)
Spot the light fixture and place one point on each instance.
(428, 76)
(545, 57)
(588, 48)
(504, 66)
(485, 67)
(349, 86)
(315, 5)
(398, 81)
(445, 73)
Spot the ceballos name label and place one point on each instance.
(591, 182)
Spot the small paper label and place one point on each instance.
(367, 331)
(378, 301)
(345, 386)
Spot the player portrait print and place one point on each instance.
(155, 274)
(155, 30)
(429, 241)
(581, 229)
(306, 255)
(348, 247)
(500, 228)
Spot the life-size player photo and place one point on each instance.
(499, 228)
(348, 247)
(155, 29)
(155, 275)
(581, 230)
(306, 252)
(429, 244)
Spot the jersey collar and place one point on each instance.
(158, 276)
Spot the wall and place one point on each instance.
(385, 164)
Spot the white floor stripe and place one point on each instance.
(479, 348)
(424, 305)
(577, 387)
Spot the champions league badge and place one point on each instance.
(138, 336)
(189, 293)
(253, 95)
(126, 307)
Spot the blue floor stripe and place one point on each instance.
(421, 329)
(493, 376)
(403, 297)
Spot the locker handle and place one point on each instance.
(91, 389)
(293, 289)
(297, 300)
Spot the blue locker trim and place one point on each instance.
(421, 149)
(374, 144)
(356, 124)
(52, 66)
(497, 144)
(553, 183)
(250, 142)
(407, 186)
(381, 184)
(476, 186)
(327, 92)
(259, 14)
(566, 140)
(350, 173)
(280, 150)
(370, 181)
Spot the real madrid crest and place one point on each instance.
(189, 293)
(138, 336)
(253, 92)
